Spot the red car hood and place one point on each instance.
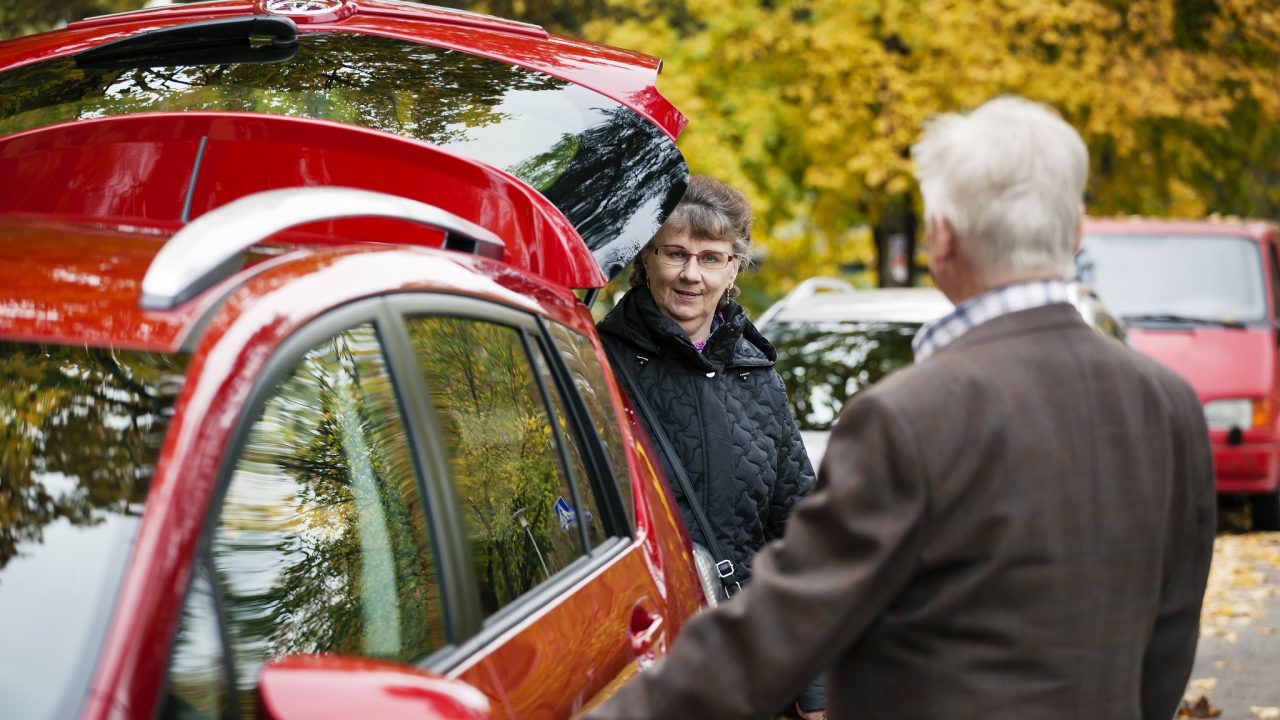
(1218, 362)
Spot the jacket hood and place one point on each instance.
(638, 320)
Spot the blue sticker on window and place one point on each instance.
(567, 516)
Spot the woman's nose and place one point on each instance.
(691, 270)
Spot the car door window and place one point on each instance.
(322, 545)
(587, 375)
(517, 501)
(590, 517)
(196, 686)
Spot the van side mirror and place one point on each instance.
(332, 686)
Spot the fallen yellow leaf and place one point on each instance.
(1195, 704)
(1263, 713)
(1205, 684)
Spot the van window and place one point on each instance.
(1179, 279)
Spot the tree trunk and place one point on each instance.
(895, 236)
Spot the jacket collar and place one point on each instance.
(974, 312)
(1053, 317)
(638, 320)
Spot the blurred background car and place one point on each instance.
(1200, 296)
(834, 340)
(302, 407)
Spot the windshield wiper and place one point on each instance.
(1181, 320)
(248, 39)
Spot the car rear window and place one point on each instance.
(80, 431)
(824, 363)
(610, 171)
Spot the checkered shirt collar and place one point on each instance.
(990, 305)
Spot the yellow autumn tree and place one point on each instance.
(811, 106)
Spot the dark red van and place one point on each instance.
(1201, 297)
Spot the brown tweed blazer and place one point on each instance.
(1019, 527)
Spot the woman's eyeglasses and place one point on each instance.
(676, 256)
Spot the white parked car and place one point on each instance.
(833, 340)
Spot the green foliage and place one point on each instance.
(810, 106)
(92, 419)
(21, 17)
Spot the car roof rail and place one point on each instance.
(206, 250)
(804, 291)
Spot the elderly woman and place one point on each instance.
(679, 338)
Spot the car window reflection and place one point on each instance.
(610, 171)
(588, 377)
(80, 432)
(322, 543)
(589, 516)
(519, 509)
(824, 364)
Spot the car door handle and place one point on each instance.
(647, 633)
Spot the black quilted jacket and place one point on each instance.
(725, 412)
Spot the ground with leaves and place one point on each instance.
(1238, 660)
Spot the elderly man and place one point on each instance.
(1017, 526)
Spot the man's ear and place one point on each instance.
(942, 238)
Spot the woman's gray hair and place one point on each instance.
(1009, 177)
(709, 209)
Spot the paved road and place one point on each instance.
(1237, 664)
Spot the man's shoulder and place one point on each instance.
(1030, 351)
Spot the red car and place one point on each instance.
(1202, 297)
(303, 410)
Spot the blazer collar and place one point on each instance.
(1057, 316)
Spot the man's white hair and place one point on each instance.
(1009, 177)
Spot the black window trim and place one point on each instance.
(204, 561)
(598, 466)
(477, 632)
(533, 344)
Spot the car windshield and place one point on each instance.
(824, 364)
(610, 171)
(81, 429)
(1176, 279)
